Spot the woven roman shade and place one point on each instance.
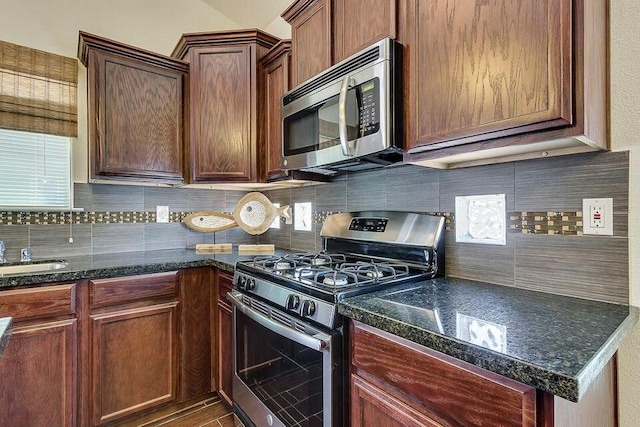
(38, 91)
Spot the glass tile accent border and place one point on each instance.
(552, 222)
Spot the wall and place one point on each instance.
(567, 263)
(118, 218)
(625, 134)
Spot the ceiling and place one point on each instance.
(250, 13)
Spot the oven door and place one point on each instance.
(287, 372)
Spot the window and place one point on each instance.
(35, 170)
(38, 116)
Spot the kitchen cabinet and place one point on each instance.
(503, 80)
(135, 112)
(39, 367)
(224, 337)
(311, 38)
(324, 32)
(226, 105)
(277, 65)
(196, 296)
(134, 344)
(434, 389)
(360, 23)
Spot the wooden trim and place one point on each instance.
(87, 41)
(283, 47)
(296, 9)
(217, 38)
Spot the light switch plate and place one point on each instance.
(597, 216)
(276, 222)
(162, 213)
(302, 216)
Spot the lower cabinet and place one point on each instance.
(134, 344)
(134, 360)
(395, 382)
(38, 370)
(224, 337)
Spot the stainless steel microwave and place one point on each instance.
(346, 118)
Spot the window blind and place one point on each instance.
(38, 91)
(35, 170)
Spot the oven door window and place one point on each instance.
(287, 377)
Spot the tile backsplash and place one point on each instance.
(544, 193)
(542, 196)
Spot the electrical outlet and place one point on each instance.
(598, 216)
(162, 213)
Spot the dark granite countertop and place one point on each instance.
(6, 327)
(128, 263)
(554, 343)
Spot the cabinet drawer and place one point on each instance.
(121, 290)
(56, 300)
(443, 387)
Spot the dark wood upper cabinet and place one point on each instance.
(503, 78)
(135, 112)
(276, 65)
(225, 104)
(311, 38)
(360, 23)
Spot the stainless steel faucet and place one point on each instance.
(3, 249)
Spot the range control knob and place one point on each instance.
(251, 284)
(308, 308)
(293, 302)
(242, 282)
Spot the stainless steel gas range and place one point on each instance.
(290, 346)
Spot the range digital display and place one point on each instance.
(377, 225)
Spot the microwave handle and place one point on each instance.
(342, 117)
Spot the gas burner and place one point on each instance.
(307, 272)
(374, 274)
(335, 279)
(282, 265)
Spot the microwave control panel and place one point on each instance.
(377, 225)
(369, 94)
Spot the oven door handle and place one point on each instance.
(318, 342)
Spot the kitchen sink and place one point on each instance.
(36, 267)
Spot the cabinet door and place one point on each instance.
(311, 41)
(222, 139)
(277, 83)
(482, 70)
(224, 323)
(370, 406)
(196, 285)
(135, 120)
(360, 23)
(39, 376)
(134, 360)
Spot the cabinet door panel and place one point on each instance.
(41, 302)
(311, 42)
(224, 325)
(360, 23)
(221, 140)
(370, 406)
(490, 69)
(134, 360)
(38, 371)
(139, 118)
(277, 83)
